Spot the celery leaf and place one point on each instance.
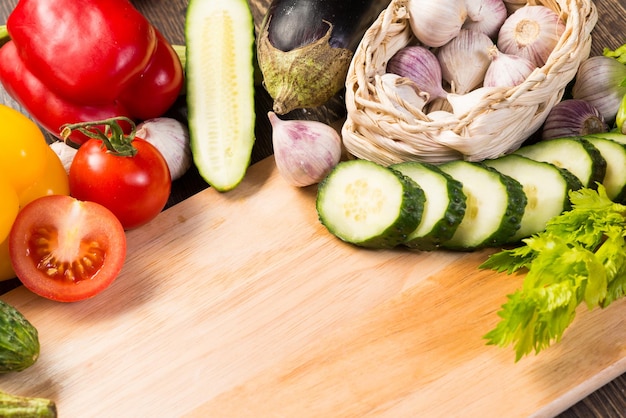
(580, 257)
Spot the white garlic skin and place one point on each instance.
(305, 151)
(598, 82)
(420, 65)
(65, 152)
(436, 22)
(171, 138)
(464, 60)
(486, 16)
(463, 104)
(403, 94)
(507, 70)
(531, 32)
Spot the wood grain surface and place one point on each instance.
(241, 304)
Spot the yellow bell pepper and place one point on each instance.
(28, 169)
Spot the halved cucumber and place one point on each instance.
(615, 155)
(220, 89)
(495, 205)
(546, 187)
(575, 154)
(444, 207)
(369, 205)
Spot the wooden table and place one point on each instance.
(168, 16)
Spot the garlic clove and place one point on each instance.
(599, 82)
(65, 153)
(464, 60)
(486, 16)
(463, 104)
(401, 93)
(531, 32)
(420, 65)
(506, 70)
(305, 151)
(171, 138)
(436, 22)
(572, 117)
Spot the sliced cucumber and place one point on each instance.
(575, 154)
(369, 205)
(220, 89)
(495, 206)
(546, 187)
(615, 155)
(613, 135)
(444, 207)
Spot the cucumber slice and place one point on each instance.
(444, 207)
(546, 187)
(575, 154)
(495, 206)
(612, 135)
(220, 89)
(369, 205)
(615, 178)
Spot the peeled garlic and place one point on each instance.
(464, 60)
(506, 70)
(305, 151)
(436, 22)
(531, 32)
(485, 16)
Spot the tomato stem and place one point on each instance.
(113, 137)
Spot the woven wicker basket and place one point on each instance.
(496, 125)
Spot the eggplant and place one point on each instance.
(304, 48)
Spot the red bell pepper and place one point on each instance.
(74, 61)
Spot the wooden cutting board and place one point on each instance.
(243, 305)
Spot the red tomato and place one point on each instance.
(134, 188)
(65, 249)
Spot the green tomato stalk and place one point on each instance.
(112, 137)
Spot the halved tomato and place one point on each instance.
(65, 249)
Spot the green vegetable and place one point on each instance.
(444, 207)
(546, 187)
(615, 155)
(370, 205)
(575, 154)
(19, 340)
(13, 406)
(495, 205)
(579, 258)
(619, 53)
(4, 35)
(220, 89)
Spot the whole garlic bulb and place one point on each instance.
(171, 138)
(486, 16)
(436, 22)
(65, 153)
(531, 32)
(464, 60)
(305, 151)
(420, 65)
(506, 70)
